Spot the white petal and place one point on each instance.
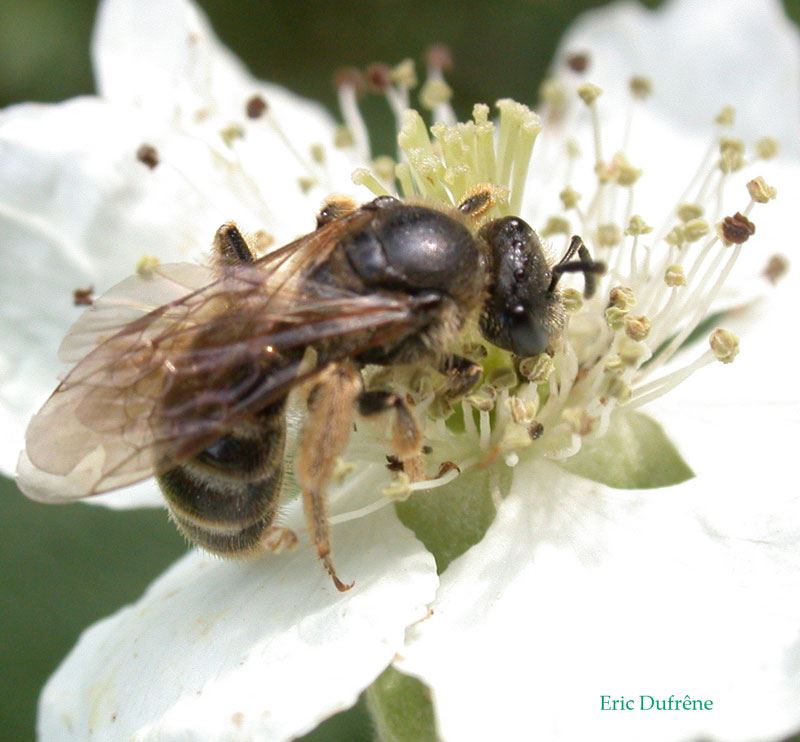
(76, 210)
(701, 56)
(577, 592)
(162, 57)
(151, 52)
(728, 415)
(262, 649)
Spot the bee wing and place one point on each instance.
(172, 381)
(129, 300)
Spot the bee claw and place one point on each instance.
(341, 586)
(277, 539)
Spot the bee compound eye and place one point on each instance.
(528, 335)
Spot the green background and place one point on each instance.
(61, 568)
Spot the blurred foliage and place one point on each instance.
(63, 568)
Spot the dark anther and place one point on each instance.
(439, 57)
(578, 62)
(737, 228)
(379, 77)
(147, 154)
(83, 297)
(255, 107)
(349, 77)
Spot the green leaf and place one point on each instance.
(450, 519)
(635, 453)
(401, 708)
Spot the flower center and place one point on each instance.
(660, 287)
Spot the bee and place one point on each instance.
(184, 374)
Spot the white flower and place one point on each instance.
(576, 590)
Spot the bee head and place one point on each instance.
(523, 312)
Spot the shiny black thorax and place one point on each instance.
(414, 251)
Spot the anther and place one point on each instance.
(731, 155)
(622, 297)
(146, 266)
(578, 62)
(379, 77)
(572, 300)
(434, 92)
(147, 154)
(83, 297)
(522, 411)
(589, 93)
(694, 229)
(637, 226)
(724, 344)
(736, 229)
(625, 174)
(726, 116)
(439, 57)
(483, 399)
(231, 133)
(760, 191)
(640, 87)
(687, 212)
(556, 225)
(404, 74)
(767, 148)
(255, 107)
(349, 77)
(535, 431)
(776, 268)
(637, 327)
(608, 235)
(569, 197)
(537, 369)
(674, 276)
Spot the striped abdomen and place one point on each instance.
(227, 496)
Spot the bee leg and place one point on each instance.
(406, 434)
(462, 374)
(278, 538)
(324, 437)
(230, 248)
(478, 200)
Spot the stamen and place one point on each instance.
(436, 93)
(589, 94)
(362, 176)
(648, 392)
(349, 82)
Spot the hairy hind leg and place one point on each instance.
(323, 439)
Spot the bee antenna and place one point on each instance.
(590, 268)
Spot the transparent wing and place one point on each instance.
(171, 381)
(128, 301)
